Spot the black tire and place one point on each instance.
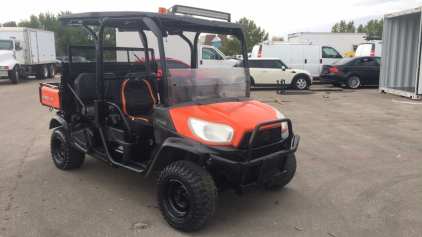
(337, 84)
(290, 167)
(51, 71)
(353, 82)
(64, 156)
(187, 196)
(300, 83)
(14, 75)
(42, 72)
(252, 81)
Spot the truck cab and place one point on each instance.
(211, 57)
(11, 56)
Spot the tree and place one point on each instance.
(10, 24)
(373, 28)
(32, 23)
(253, 34)
(351, 27)
(277, 38)
(342, 27)
(360, 29)
(334, 29)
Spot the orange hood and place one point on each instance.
(241, 116)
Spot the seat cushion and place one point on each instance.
(141, 125)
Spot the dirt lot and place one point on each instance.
(359, 174)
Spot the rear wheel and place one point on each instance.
(289, 165)
(51, 71)
(42, 72)
(14, 75)
(187, 196)
(64, 156)
(300, 83)
(353, 82)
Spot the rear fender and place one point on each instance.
(58, 121)
(175, 149)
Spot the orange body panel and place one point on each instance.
(50, 97)
(241, 116)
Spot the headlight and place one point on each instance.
(211, 132)
(280, 116)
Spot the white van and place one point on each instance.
(372, 48)
(300, 55)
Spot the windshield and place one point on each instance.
(197, 84)
(343, 61)
(6, 45)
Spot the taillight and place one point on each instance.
(333, 70)
(372, 52)
(259, 54)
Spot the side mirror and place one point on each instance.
(283, 68)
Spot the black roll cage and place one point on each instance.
(154, 22)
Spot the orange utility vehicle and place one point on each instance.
(197, 127)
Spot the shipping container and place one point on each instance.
(401, 54)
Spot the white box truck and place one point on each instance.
(301, 55)
(26, 52)
(176, 48)
(400, 71)
(343, 42)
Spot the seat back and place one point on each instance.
(135, 96)
(85, 87)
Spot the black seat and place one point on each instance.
(136, 98)
(85, 89)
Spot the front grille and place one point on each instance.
(264, 137)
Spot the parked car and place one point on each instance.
(298, 55)
(371, 48)
(266, 72)
(171, 64)
(353, 72)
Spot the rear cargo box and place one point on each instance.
(49, 95)
(401, 54)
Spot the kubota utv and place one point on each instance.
(198, 128)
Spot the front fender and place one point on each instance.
(59, 121)
(190, 146)
(8, 61)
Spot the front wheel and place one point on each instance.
(353, 82)
(288, 164)
(64, 156)
(187, 196)
(14, 75)
(300, 83)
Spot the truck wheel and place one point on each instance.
(289, 167)
(64, 156)
(300, 83)
(187, 196)
(42, 72)
(51, 71)
(14, 75)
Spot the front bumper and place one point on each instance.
(267, 164)
(3, 73)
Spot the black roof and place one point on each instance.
(132, 21)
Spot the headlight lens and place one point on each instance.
(211, 132)
(280, 116)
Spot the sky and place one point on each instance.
(278, 18)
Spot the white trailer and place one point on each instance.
(343, 42)
(26, 52)
(401, 54)
(176, 48)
